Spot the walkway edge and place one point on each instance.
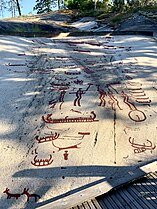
(99, 189)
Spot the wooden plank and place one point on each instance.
(97, 205)
(142, 200)
(99, 189)
(129, 199)
(80, 206)
(112, 203)
(144, 203)
(154, 175)
(91, 205)
(135, 201)
(86, 205)
(122, 200)
(115, 199)
(142, 190)
(150, 188)
(104, 204)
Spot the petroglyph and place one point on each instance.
(47, 138)
(138, 148)
(134, 113)
(42, 162)
(92, 118)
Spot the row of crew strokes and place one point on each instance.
(17, 195)
(91, 118)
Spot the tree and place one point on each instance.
(18, 7)
(43, 6)
(118, 4)
(10, 5)
(80, 5)
(2, 7)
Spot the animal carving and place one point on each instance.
(25, 191)
(9, 195)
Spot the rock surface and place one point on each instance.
(75, 112)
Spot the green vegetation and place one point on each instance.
(43, 6)
(111, 12)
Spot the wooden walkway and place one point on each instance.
(140, 194)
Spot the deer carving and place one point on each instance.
(25, 191)
(9, 195)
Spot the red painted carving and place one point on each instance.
(126, 129)
(65, 148)
(86, 76)
(72, 73)
(78, 97)
(131, 83)
(87, 70)
(84, 133)
(60, 79)
(73, 78)
(141, 147)
(102, 95)
(109, 47)
(43, 71)
(77, 101)
(53, 105)
(82, 50)
(48, 119)
(111, 84)
(34, 152)
(9, 195)
(79, 82)
(128, 77)
(60, 84)
(21, 54)
(54, 129)
(47, 138)
(136, 90)
(128, 71)
(113, 101)
(135, 114)
(65, 155)
(42, 162)
(61, 98)
(53, 102)
(9, 64)
(25, 191)
(155, 88)
(93, 44)
(59, 88)
(62, 58)
(140, 95)
(75, 146)
(143, 100)
(126, 157)
(72, 110)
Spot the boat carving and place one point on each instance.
(92, 118)
(72, 73)
(60, 84)
(42, 162)
(76, 146)
(47, 138)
